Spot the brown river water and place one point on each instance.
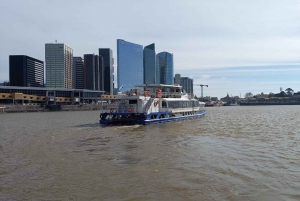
(233, 153)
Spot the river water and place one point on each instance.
(233, 153)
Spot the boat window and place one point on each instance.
(164, 104)
(182, 104)
(132, 101)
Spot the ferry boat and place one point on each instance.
(157, 104)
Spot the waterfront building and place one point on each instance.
(97, 71)
(59, 65)
(177, 79)
(187, 84)
(101, 73)
(91, 72)
(149, 64)
(25, 71)
(108, 65)
(164, 62)
(48, 96)
(78, 78)
(130, 64)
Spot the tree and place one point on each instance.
(248, 95)
(289, 91)
(271, 94)
(282, 94)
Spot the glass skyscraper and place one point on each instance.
(187, 84)
(59, 65)
(149, 64)
(91, 72)
(165, 72)
(107, 66)
(78, 81)
(25, 71)
(130, 64)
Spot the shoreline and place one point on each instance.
(21, 108)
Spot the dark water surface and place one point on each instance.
(234, 153)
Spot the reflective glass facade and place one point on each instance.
(187, 84)
(101, 73)
(89, 71)
(107, 64)
(149, 64)
(78, 82)
(130, 64)
(25, 71)
(59, 65)
(165, 72)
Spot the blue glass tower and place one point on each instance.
(149, 64)
(165, 72)
(130, 64)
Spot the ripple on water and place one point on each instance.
(234, 153)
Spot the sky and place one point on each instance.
(232, 46)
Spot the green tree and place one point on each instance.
(248, 95)
(289, 91)
(282, 94)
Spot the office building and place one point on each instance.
(177, 79)
(108, 65)
(165, 68)
(97, 72)
(59, 65)
(130, 65)
(149, 64)
(78, 79)
(101, 73)
(187, 84)
(91, 72)
(26, 71)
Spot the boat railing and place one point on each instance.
(148, 104)
(168, 95)
(171, 94)
(127, 108)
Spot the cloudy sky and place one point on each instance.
(233, 46)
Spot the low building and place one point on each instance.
(38, 95)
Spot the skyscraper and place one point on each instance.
(101, 73)
(25, 71)
(108, 64)
(130, 64)
(91, 72)
(97, 71)
(59, 65)
(177, 79)
(164, 62)
(187, 84)
(78, 81)
(149, 64)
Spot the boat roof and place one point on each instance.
(177, 99)
(159, 86)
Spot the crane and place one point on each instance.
(201, 85)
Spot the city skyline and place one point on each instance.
(234, 47)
